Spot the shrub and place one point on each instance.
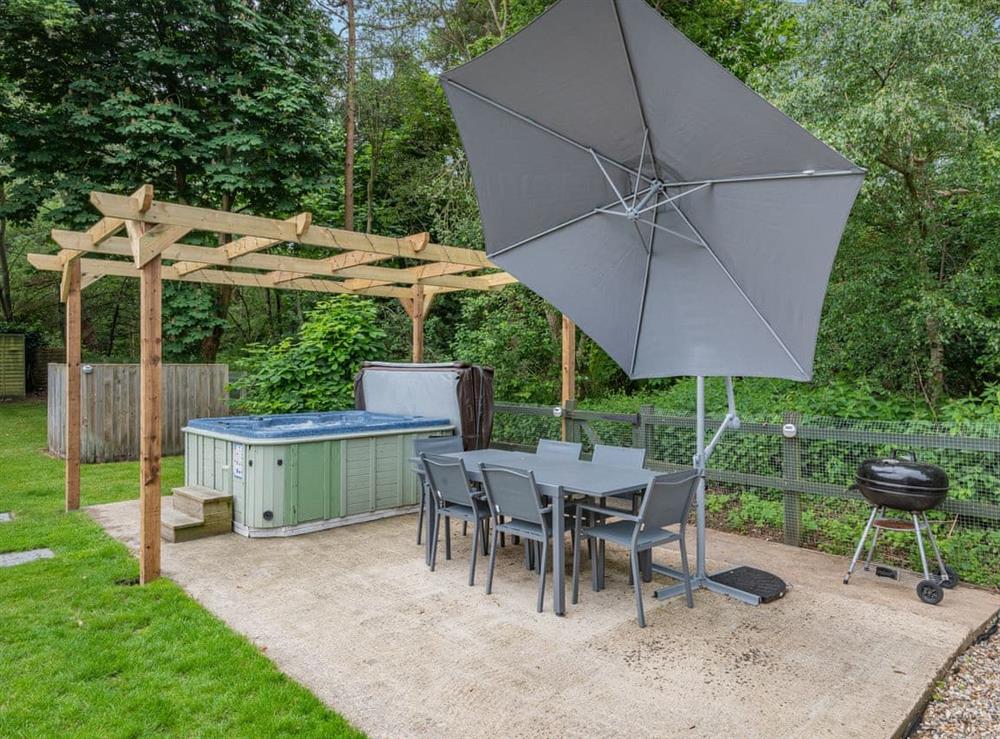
(313, 370)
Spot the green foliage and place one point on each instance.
(314, 370)
(508, 330)
(188, 319)
(909, 90)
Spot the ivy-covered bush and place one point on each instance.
(313, 370)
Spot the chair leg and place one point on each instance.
(435, 535)
(476, 533)
(420, 516)
(595, 583)
(637, 583)
(485, 523)
(542, 568)
(576, 559)
(687, 574)
(465, 528)
(447, 537)
(493, 561)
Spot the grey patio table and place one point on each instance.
(556, 478)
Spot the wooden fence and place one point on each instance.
(12, 372)
(110, 407)
(786, 454)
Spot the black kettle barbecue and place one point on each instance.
(901, 483)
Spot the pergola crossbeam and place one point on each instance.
(204, 219)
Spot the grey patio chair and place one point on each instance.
(455, 498)
(431, 445)
(564, 449)
(666, 502)
(517, 508)
(619, 456)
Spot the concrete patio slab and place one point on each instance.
(354, 615)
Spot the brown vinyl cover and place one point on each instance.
(475, 395)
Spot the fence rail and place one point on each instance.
(791, 474)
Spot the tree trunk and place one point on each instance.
(6, 300)
(350, 116)
(223, 297)
(935, 388)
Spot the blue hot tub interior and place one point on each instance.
(293, 425)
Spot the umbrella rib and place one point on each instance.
(670, 231)
(611, 182)
(672, 198)
(547, 231)
(544, 128)
(635, 85)
(642, 161)
(742, 292)
(807, 174)
(642, 300)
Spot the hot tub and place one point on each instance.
(300, 472)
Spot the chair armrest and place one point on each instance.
(546, 509)
(624, 515)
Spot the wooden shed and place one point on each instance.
(12, 366)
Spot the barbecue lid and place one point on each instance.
(902, 473)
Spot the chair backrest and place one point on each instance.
(512, 493)
(619, 456)
(667, 499)
(563, 449)
(447, 479)
(437, 445)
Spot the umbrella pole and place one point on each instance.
(700, 577)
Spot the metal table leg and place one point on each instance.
(558, 555)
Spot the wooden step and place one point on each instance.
(177, 525)
(200, 492)
(204, 503)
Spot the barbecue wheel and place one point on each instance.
(930, 592)
(952, 580)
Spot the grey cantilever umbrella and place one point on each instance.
(686, 225)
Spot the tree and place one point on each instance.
(223, 104)
(908, 89)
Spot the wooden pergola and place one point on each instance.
(142, 238)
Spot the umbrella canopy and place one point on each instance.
(685, 224)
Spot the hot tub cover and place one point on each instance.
(301, 425)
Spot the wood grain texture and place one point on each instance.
(72, 486)
(150, 409)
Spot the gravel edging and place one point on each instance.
(966, 703)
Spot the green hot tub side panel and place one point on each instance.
(308, 481)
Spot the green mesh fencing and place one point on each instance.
(796, 488)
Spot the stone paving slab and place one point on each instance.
(19, 558)
(355, 615)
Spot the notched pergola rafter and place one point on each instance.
(154, 228)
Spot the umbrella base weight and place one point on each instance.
(699, 583)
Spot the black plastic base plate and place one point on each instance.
(748, 579)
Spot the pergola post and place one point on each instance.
(418, 322)
(150, 379)
(71, 279)
(568, 370)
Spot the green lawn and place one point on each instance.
(84, 653)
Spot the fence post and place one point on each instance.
(791, 469)
(570, 424)
(642, 433)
